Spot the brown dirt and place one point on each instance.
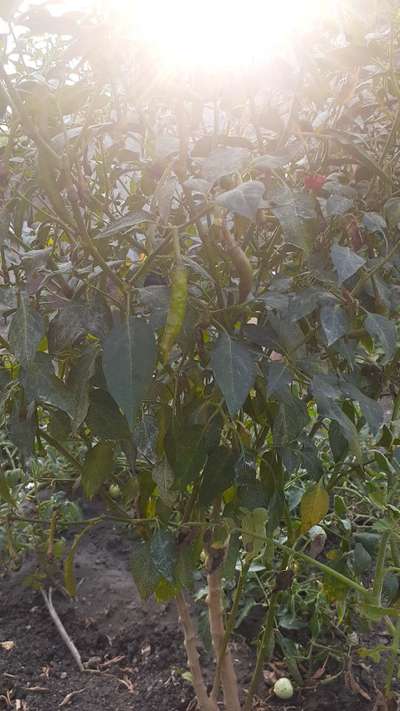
(107, 622)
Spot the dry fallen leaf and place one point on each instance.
(7, 645)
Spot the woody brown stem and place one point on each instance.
(204, 701)
(217, 629)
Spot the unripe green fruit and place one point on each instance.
(283, 688)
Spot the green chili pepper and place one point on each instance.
(177, 305)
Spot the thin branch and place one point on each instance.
(61, 629)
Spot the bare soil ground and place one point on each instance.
(134, 649)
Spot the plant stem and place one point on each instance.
(265, 650)
(391, 663)
(204, 701)
(380, 569)
(229, 627)
(215, 611)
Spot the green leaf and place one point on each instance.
(313, 507)
(296, 214)
(78, 381)
(144, 572)
(75, 321)
(253, 524)
(218, 475)
(40, 383)
(371, 409)
(337, 441)
(384, 331)
(334, 322)
(243, 200)
(346, 262)
(164, 554)
(27, 329)
(338, 205)
(224, 161)
(391, 211)
(129, 360)
(125, 224)
(5, 491)
(374, 223)
(186, 450)
(234, 367)
(104, 417)
(97, 468)
(278, 378)
(361, 559)
(164, 478)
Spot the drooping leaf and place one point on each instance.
(164, 554)
(374, 223)
(278, 378)
(97, 468)
(338, 205)
(313, 507)
(218, 475)
(27, 329)
(104, 417)
(164, 478)
(40, 383)
(78, 383)
(186, 449)
(144, 572)
(224, 161)
(391, 211)
(5, 491)
(362, 560)
(125, 224)
(371, 409)
(346, 262)
(296, 212)
(243, 200)
(75, 321)
(384, 331)
(128, 362)
(334, 322)
(234, 367)
(253, 524)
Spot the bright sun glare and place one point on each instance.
(214, 34)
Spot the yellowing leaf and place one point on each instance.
(313, 507)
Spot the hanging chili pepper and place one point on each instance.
(241, 262)
(177, 304)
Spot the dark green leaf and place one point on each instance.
(144, 572)
(27, 329)
(334, 322)
(104, 418)
(234, 367)
(384, 331)
(129, 359)
(338, 205)
(218, 475)
(346, 262)
(164, 554)
(40, 383)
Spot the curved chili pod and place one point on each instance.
(177, 307)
